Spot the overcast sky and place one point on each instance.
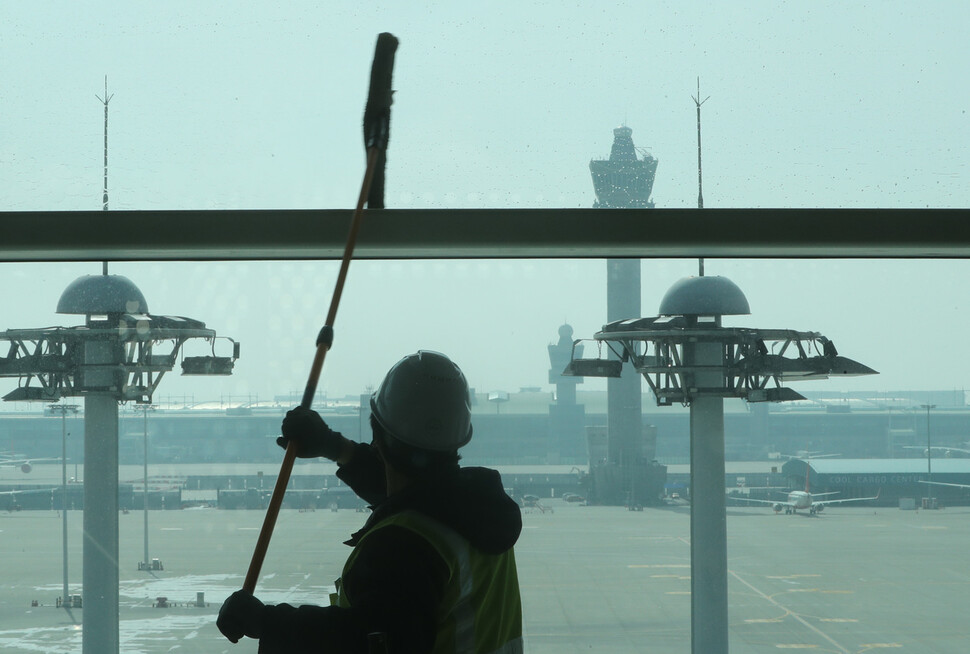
(498, 104)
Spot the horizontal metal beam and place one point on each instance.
(484, 233)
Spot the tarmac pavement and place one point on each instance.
(594, 579)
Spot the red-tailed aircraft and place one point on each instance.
(806, 500)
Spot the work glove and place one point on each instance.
(313, 437)
(241, 615)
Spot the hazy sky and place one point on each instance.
(498, 104)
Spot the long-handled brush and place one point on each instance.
(377, 121)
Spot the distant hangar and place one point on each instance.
(892, 479)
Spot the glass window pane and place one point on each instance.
(181, 106)
(591, 574)
(503, 106)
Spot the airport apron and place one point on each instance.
(481, 611)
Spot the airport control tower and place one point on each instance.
(624, 181)
(567, 417)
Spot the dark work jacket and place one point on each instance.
(397, 580)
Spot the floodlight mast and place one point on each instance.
(929, 455)
(114, 357)
(697, 362)
(145, 408)
(750, 371)
(62, 410)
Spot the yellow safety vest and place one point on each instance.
(481, 611)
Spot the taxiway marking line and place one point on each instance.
(878, 645)
(800, 619)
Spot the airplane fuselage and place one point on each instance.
(800, 499)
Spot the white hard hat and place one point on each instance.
(424, 402)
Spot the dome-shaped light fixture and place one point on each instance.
(704, 296)
(102, 295)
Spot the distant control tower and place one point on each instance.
(624, 181)
(567, 417)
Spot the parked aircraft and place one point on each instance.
(804, 499)
(946, 451)
(806, 454)
(943, 483)
(25, 465)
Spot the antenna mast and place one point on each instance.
(700, 185)
(104, 101)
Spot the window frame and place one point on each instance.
(486, 234)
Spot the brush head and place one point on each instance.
(377, 111)
(377, 114)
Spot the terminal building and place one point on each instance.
(228, 448)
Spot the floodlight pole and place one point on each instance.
(698, 363)
(145, 408)
(145, 485)
(64, 409)
(64, 595)
(100, 619)
(929, 450)
(110, 359)
(708, 524)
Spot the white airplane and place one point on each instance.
(25, 465)
(943, 483)
(804, 499)
(947, 451)
(806, 454)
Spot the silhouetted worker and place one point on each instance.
(433, 568)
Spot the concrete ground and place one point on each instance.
(594, 579)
